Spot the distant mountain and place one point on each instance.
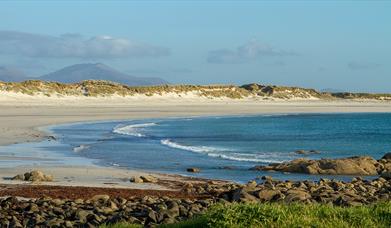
(9, 74)
(98, 71)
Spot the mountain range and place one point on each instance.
(9, 74)
(80, 72)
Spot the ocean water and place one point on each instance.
(225, 147)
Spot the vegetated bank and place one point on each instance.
(99, 88)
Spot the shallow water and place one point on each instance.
(215, 143)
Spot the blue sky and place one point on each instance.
(341, 45)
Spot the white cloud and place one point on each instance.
(75, 46)
(245, 53)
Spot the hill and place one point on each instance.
(97, 71)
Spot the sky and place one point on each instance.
(339, 45)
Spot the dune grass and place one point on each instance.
(99, 88)
(284, 215)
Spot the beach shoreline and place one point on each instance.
(24, 120)
(27, 121)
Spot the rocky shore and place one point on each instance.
(358, 165)
(151, 208)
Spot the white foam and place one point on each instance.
(198, 149)
(132, 130)
(80, 148)
(272, 157)
(244, 157)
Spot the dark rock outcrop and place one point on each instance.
(193, 170)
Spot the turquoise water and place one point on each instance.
(215, 143)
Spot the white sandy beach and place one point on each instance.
(22, 117)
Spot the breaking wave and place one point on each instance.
(80, 148)
(198, 149)
(227, 154)
(133, 129)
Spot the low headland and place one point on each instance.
(34, 196)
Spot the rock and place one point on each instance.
(19, 177)
(79, 201)
(51, 137)
(387, 156)
(54, 222)
(359, 165)
(251, 184)
(314, 152)
(152, 216)
(386, 175)
(136, 179)
(240, 195)
(32, 208)
(36, 176)
(303, 152)
(57, 202)
(193, 170)
(268, 195)
(258, 168)
(149, 179)
(15, 223)
(69, 224)
(296, 195)
(82, 215)
(269, 178)
(300, 152)
(103, 198)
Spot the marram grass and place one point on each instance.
(97, 88)
(275, 215)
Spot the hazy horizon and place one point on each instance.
(338, 45)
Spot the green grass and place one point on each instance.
(299, 215)
(284, 215)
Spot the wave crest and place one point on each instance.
(132, 130)
(80, 148)
(198, 149)
(227, 154)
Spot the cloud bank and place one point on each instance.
(247, 52)
(75, 46)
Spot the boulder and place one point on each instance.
(149, 179)
(303, 152)
(297, 195)
(251, 185)
(36, 176)
(269, 178)
(193, 170)
(300, 152)
(387, 156)
(359, 165)
(386, 175)
(103, 198)
(136, 179)
(240, 195)
(268, 195)
(314, 152)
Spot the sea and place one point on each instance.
(222, 147)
